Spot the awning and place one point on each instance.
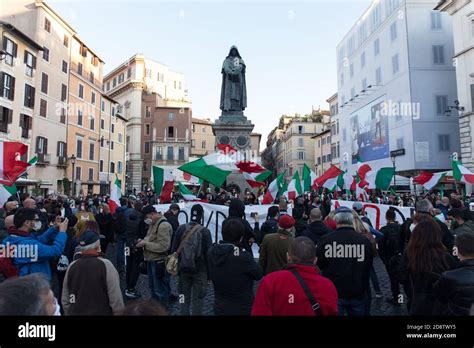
(26, 182)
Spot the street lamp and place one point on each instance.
(394, 173)
(73, 162)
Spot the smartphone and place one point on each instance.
(253, 214)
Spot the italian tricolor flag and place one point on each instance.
(213, 168)
(309, 178)
(461, 173)
(379, 178)
(192, 179)
(273, 189)
(115, 194)
(187, 195)
(6, 192)
(163, 183)
(344, 181)
(294, 187)
(11, 165)
(256, 179)
(329, 178)
(429, 180)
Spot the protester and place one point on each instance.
(274, 246)
(193, 240)
(300, 220)
(26, 296)
(172, 216)
(10, 207)
(443, 206)
(316, 228)
(156, 246)
(91, 285)
(345, 257)
(121, 218)
(459, 224)
(107, 225)
(270, 225)
(424, 260)
(232, 271)
(40, 249)
(455, 288)
(285, 292)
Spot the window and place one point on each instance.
(376, 47)
(120, 138)
(64, 67)
(301, 155)
(112, 167)
(114, 82)
(362, 32)
(79, 147)
(145, 166)
(171, 132)
(179, 84)
(83, 50)
(441, 104)
(62, 117)
(362, 60)
(79, 117)
(66, 40)
(400, 143)
(108, 86)
(93, 98)
(376, 18)
(319, 160)
(300, 129)
(79, 68)
(395, 67)
(351, 70)
(78, 173)
(438, 54)
(444, 143)
(148, 73)
(47, 25)
(174, 84)
(193, 143)
(25, 125)
(92, 122)
(147, 147)
(300, 142)
(63, 92)
(7, 87)
(364, 83)
(472, 27)
(112, 128)
(30, 62)
(43, 107)
(119, 167)
(46, 53)
(102, 106)
(393, 31)
(102, 123)
(111, 145)
(203, 144)
(148, 111)
(11, 49)
(323, 141)
(101, 165)
(344, 135)
(159, 153)
(170, 153)
(81, 91)
(61, 149)
(378, 76)
(170, 116)
(5, 118)
(181, 153)
(44, 83)
(91, 77)
(121, 78)
(129, 73)
(436, 23)
(147, 129)
(91, 151)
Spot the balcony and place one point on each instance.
(86, 75)
(43, 159)
(62, 161)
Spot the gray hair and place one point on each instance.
(302, 250)
(24, 295)
(344, 218)
(424, 206)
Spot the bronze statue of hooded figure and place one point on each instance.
(234, 90)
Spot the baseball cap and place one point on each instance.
(358, 206)
(286, 221)
(148, 209)
(88, 237)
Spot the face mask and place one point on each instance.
(148, 221)
(37, 226)
(101, 210)
(57, 311)
(412, 227)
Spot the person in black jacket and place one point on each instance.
(107, 224)
(237, 212)
(423, 262)
(194, 282)
(455, 288)
(345, 257)
(270, 225)
(389, 246)
(134, 255)
(300, 221)
(232, 271)
(172, 216)
(316, 228)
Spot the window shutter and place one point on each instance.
(2, 76)
(10, 116)
(34, 62)
(4, 46)
(45, 146)
(57, 149)
(15, 47)
(37, 144)
(12, 89)
(25, 57)
(22, 121)
(32, 95)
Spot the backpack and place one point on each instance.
(392, 239)
(184, 259)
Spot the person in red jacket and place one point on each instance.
(282, 293)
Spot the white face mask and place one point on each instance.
(148, 221)
(57, 311)
(412, 227)
(37, 225)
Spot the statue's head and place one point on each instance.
(234, 52)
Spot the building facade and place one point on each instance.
(129, 84)
(395, 82)
(462, 13)
(334, 125)
(322, 151)
(203, 141)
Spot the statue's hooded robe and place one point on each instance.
(234, 89)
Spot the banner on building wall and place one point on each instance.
(376, 212)
(369, 132)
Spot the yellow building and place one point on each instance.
(202, 138)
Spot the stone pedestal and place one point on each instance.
(234, 129)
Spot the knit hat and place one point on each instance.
(286, 221)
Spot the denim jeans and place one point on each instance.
(353, 306)
(159, 287)
(197, 283)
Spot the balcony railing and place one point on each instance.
(43, 159)
(86, 75)
(62, 161)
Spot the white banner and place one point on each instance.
(376, 212)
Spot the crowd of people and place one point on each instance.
(312, 259)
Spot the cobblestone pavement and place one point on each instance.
(379, 306)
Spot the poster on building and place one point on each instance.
(369, 132)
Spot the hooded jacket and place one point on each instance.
(237, 211)
(40, 249)
(316, 230)
(232, 271)
(273, 250)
